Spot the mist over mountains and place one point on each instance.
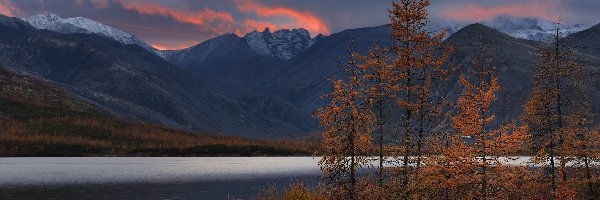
(263, 84)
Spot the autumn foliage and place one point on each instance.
(387, 119)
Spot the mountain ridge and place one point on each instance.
(283, 43)
(286, 43)
(55, 23)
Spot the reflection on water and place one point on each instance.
(228, 189)
(158, 178)
(149, 178)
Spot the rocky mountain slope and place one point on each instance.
(283, 44)
(586, 41)
(303, 79)
(39, 119)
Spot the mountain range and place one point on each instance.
(133, 83)
(263, 84)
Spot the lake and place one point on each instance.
(150, 177)
(159, 177)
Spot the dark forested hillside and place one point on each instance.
(38, 119)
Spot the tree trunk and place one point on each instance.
(588, 175)
(407, 128)
(552, 168)
(352, 164)
(381, 150)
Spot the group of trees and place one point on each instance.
(387, 114)
(87, 135)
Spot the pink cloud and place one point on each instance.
(251, 25)
(533, 8)
(173, 46)
(206, 19)
(219, 22)
(9, 8)
(301, 19)
(201, 17)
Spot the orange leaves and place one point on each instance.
(471, 152)
(347, 121)
(558, 115)
(431, 159)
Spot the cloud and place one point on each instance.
(549, 10)
(301, 19)
(251, 25)
(100, 3)
(200, 18)
(172, 45)
(210, 23)
(8, 8)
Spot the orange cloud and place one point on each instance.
(251, 25)
(533, 8)
(9, 8)
(213, 23)
(172, 46)
(200, 18)
(305, 20)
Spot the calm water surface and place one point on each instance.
(150, 178)
(156, 178)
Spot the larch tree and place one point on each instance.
(587, 157)
(553, 111)
(379, 77)
(585, 151)
(418, 59)
(472, 161)
(347, 123)
(581, 142)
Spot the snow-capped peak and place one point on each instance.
(437, 26)
(55, 23)
(519, 27)
(282, 43)
(530, 28)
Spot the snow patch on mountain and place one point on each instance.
(283, 43)
(531, 28)
(519, 27)
(437, 26)
(55, 23)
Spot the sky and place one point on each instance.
(176, 24)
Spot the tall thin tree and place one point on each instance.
(550, 107)
(473, 122)
(470, 159)
(347, 123)
(379, 77)
(419, 55)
